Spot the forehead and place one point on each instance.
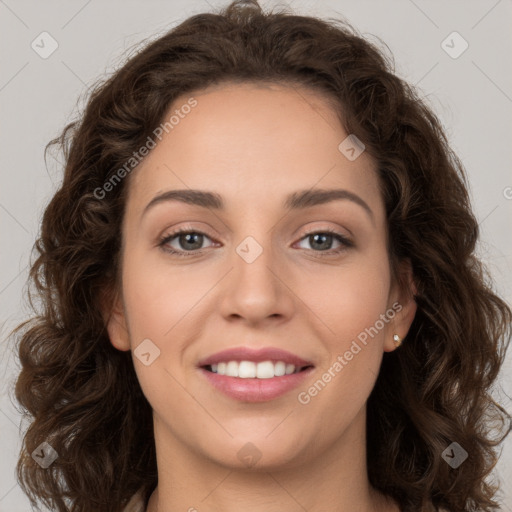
(251, 141)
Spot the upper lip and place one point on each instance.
(248, 354)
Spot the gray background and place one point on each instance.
(472, 95)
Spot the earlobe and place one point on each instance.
(115, 322)
(397, 334)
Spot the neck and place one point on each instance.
(334, 479)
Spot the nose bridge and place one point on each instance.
(255, 257)
(256, 236)
(255, 289)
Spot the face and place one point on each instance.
(266, 262)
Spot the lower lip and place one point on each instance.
(255, 390)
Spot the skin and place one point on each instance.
(243, 141)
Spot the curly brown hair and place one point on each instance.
(82, 395)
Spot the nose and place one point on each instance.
(258, 288)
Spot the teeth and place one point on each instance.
(232, 369)
(251, 370)
(265, 370)
(289, 369)
(280, 369)
(246, 369)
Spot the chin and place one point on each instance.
(259, 453)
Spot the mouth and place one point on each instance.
(253, 370)
(255, 375)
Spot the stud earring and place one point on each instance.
(397, 340)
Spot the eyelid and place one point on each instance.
(187, 228)
(334, 231)
(346, 242)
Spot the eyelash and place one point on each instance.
(345, 243)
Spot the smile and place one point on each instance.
(251, 369)
(255, 375)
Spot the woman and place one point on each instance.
(328, 341)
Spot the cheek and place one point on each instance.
(164, 304)
(159, 296)
(350, 298)
(157, 301)
(351, 306)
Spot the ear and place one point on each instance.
(403, 303)
(115, 320)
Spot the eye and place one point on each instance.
(187, 240)
(322, 240)
(190, 242)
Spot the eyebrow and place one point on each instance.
(296, 201)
